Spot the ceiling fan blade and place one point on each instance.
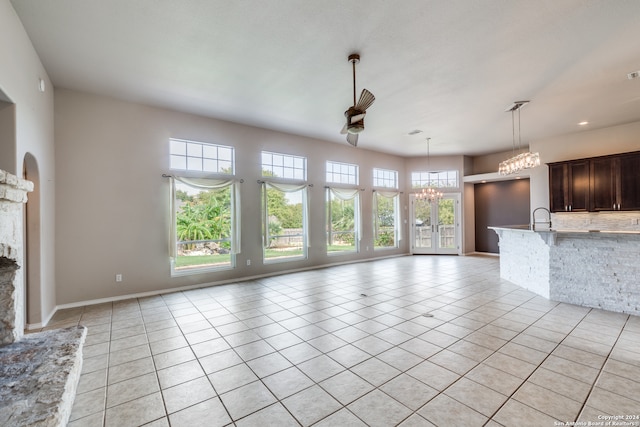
(344, 129)
(352, 138)
(366, 99)
(357, 118)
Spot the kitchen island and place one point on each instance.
(599, 269)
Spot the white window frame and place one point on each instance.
(219, 158)
(385, 178)
(291, 179)
(436, 179)
(283, 166)
(220, 176)
(342, 173)
(397, 236)
(344, 195)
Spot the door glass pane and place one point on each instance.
(422, 212)
(446, 224)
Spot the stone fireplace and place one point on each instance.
(13, 194)
(39, 372)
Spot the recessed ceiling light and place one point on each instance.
(484, 181)
(415, 132)
(633, 75)
(584, 123)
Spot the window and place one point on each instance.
(205, 222)
(385, 178)
(343, 220)
(442, 179)
(386, 220)
(200, 157)
(285, 208)
(284, 166)
(342, 173)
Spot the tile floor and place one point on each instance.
(351, 346)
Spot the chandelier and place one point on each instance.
(429, 193)
(520, 161)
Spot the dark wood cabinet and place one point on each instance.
(579, 186)
(603, 184)
(608, 183)
(629, 182)
(569, 186)
(558, 187)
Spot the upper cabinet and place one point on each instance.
(629, 182)
(603, 184)
(569, 186)
(609, 183)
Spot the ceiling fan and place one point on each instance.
(355, 115)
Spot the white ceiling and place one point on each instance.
(447, 67)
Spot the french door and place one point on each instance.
(435, 226)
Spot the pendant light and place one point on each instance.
(518, 162)
(429, 193)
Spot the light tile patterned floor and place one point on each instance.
(351, 346)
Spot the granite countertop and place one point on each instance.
(527, 227)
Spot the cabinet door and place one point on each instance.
(558, 187)
(629, 182)
(603, 188)
(579, 186)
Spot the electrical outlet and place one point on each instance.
(248, 262)
(634, 221)
(118, 277)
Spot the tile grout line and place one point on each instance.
(604, 363)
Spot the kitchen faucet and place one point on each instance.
(533, 218)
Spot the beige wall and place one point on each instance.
(112, 202)
(7, 136)
(489, 163)
(20, 72)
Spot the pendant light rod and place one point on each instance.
(520, 161)
(354, 58)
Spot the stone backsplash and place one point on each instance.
(601, 221)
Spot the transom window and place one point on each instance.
(200, 157)
(342, 173)
(385, 178)
(284, 166)
(441, 179)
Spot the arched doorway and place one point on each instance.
(32, 259)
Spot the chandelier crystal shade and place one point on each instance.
(522, 161)
(429, 194)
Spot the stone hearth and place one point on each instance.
(39, 376)
(39, 372)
